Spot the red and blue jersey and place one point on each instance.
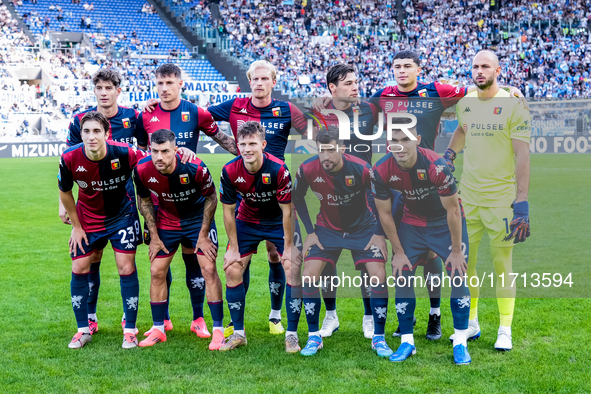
(102, 196)
(427, 102)
(122, 127)
(181, 195)
(185, 121)
(367, 118)
(278, 118)
(343, 202)
(421, 187)
(261, 192)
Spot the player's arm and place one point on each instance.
(141, 136)
(299, 201)
(228, 199)
(378, 238)
(522, 169)
(78, 233)
(454, 221)
(208, 125)
(148, 211)
(287, 236)
(72, 139)
(211, 201)
(226, 142)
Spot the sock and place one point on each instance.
(434, 268)
(92, 316)
(94, 283)
(406, 303)
(332, 314)
(195, 284)
(312, 333)
(367, 318)
(158, 312)
(276, 285)
(246, 278)
(239, 332)
(365, 293)
(129, 331)
(288, 333)
(130, 291)
(460, 304)
(236, 297)
(435, 311)
(379, 307)
(217, 313)
(85, 330)
(502, 261)
(505, 329)
(293, 307)
(275, 314)
(407, 338)
(312, 306)
(329, 294)
(460, 337)
(79, 292)
(168, 283)
(474, 291)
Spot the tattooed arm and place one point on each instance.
(204, 243)
(149, 213)
(226, 142)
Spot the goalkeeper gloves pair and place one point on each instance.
(519, 228)
(449, 157)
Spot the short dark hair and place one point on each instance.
(338, 73)
(251, 128)
(97, 116)
(169, 69)
(107, 75)
(328, 135)
(163, 135)
(403, 121)
(409, 55)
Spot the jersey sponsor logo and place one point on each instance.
(240, 180)
(350, 180)
(267, 179)
(153, 180)
(497, 110)
(467, 109)
(154, 119)
(184, 179)
(276, 111)
(465, 127)
(320, 196)
(422, 174)
(423, 93)
(243, 111)
(185, 116)
(389, 106)
(320, 180)
(126, 123)
(81, 169)
(82, 184)
(115, 165)
(394, 178)
(240, 122)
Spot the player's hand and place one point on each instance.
(156, 245)
(286, 256)
(457, 262)
(321, 102)
(380, 242)
(399, 261)
(312, 239)
(64, 215)
(78, 234)
(151, 104)
(231, 257)
(449, 157)
(207, 247)
(186, 155)
(519, 229)
(514, 92)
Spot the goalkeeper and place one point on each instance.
(495, 130)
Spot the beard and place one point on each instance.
(484, 85)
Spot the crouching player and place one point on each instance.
(103, 213)
(345, 221)
(432, 220)
(187, 201)
(264, 183)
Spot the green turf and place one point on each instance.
(551, 336)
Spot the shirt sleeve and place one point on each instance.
(205, 180)
(206, 122)
(520, 123)
(379, 187)
(441, 176)
(142, 191)
(367, 181)
(283, 185)
(221, 112)
(140, 132)
(227, 189)
(135, 155)
(64, 176)
(74, 137)
(300, 188)
(450, 94)
(298, 121)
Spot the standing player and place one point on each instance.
(344, 222)
(264, 184)
(277, 117)
(186, 199)
(186, 120)
(104, 212)
(495, 129)
(432, 220)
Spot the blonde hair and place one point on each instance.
(262, 64)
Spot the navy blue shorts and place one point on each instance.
(188, 238)
(251, 234)
(416, 241)
(334, 242)
(122, 236)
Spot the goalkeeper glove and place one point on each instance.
(449, 157)
(520, 223)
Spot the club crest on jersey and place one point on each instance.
(423, 93)
(185, 116)
(115, 165)
(267, 179)
(355, 109)
(276, 111)
(498, 110)
(422, 175)
(184, 179)
(126, 123)
(350, 180)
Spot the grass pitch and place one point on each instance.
(551, 337)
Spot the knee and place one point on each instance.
(233, 275)
(158, 274)
(80, 266)
(273, 256)
(208, 270)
